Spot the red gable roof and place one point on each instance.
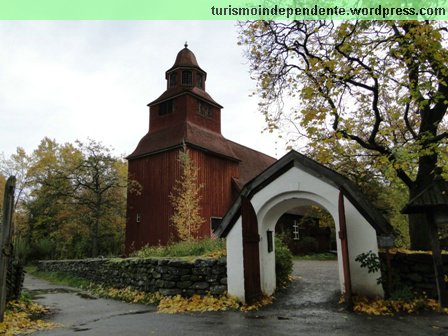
(172, 137)
(251, 161)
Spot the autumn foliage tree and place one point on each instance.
(376, 91)
(92, 182)
(75, 199)
(185, 199)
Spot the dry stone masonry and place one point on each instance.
(168, 276)
(415, 270)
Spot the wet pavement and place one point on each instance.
(307, 307)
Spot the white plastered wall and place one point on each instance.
(235, 268)
(298, 188)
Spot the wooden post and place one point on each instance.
(5, 240)
(442, 292)
(389, 272)
(345, 254)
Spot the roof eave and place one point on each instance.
(187, 91)
(190, 144)
(288, 161)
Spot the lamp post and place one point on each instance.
(433, 201)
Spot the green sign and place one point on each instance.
(222, 10)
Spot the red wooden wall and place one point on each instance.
(157, 175)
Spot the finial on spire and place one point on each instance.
(186, 44)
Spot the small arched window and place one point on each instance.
(187, 77)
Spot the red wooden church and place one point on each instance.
(185, 113)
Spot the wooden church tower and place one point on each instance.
(184, 113)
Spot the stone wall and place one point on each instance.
(168, 276)
(415, 271)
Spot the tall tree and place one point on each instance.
(17, 165)
(389, 195)
(75, 204)
(378, 88)
(96, 185)
(185, 199)
(47, 209)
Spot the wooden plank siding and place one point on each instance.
(157, 175)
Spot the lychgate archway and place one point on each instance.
(294, 181)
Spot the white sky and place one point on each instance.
(71, 80)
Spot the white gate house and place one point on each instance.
(295, 180)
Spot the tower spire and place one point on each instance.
(186, 44)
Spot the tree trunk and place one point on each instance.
(418, 232)
(95, 237)
(418, 226)
(96, 223)
(427, 164)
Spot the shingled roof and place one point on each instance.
(295, 159)
(174, 136)
(252, 162)
(434, 196)
(185, 58)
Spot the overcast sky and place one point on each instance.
(72, 80)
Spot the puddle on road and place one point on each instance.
(37, 293)
(75, 329)
(86, 296)
(255, 317)
(52, 291)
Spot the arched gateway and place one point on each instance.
(294, 181)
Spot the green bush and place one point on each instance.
(22, 250)
(195, 248)
(317, 256)
(283, 262)
(43, 249)
(307, 245)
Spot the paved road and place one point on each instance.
(307, 307)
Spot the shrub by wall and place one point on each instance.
(168, 276)
(283, 262)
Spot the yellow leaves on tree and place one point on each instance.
(185, 199)
(375, 88)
